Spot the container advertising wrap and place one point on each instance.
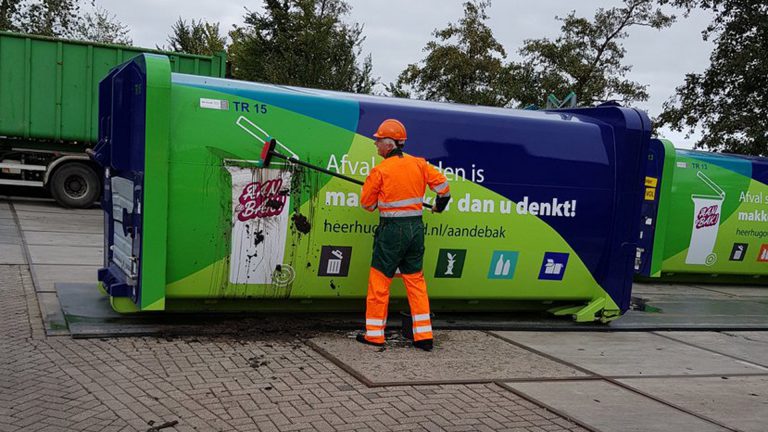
(537, 217)
(709, 219)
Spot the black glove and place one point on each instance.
(441, 203)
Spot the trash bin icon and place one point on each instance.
(706, 223)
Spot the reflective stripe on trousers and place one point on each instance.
(416, 288)
(378, 300)
(376, 306)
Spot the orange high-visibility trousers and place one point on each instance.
(378, 300)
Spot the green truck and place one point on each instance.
(49, 109)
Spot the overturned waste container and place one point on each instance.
(703, 217)
(544, 210)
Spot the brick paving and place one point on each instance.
(209, 383)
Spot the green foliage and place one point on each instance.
(55, 18)
(198, 37)
(464, 64)
(728, 100)
(101, 26)
(302, 43)
(63, 18)
(8, 10)
(587, 58)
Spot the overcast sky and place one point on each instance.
(397, 30)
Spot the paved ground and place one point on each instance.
(322, 380)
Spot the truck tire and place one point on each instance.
(75, 185)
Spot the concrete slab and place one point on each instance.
(698, 313)
(742, 291)
(760, 337)
(12, 254)
(751, 346)
(630, 354)
(459, 356)
(63, 239)
(51, 207)
(608, 407)
(66, 255)
(739, 402)
(58, 222)
(5, 210)
(53, 317)
(10, 236)
(46, 276)
(7, 224)
(654, 291)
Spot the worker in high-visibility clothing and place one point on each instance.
(396, 187)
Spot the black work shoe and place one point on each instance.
(425, 344)
(361, 338)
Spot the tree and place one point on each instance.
(8, 10)
(63, 18)
(587, 58)
(101, 26)
(464, 64)
(55, 18)
(199, 37)
(728, 101)
(302, 43)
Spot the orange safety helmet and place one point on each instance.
(391, 128)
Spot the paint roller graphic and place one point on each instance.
(707, 210)
(271, 270)
(260, 134)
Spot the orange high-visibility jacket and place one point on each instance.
(396, 186)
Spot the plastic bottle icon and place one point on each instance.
(502, 266)
(706, 223)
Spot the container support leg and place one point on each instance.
(588, 312)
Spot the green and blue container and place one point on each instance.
(193, 222)
(704, 217)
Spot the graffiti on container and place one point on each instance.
(708, 216)
(261, 199)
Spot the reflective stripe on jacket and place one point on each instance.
(396, 186)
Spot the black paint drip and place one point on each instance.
(259, 238)
(274, 204)
(301, 223)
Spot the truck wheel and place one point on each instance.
(75, 185)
